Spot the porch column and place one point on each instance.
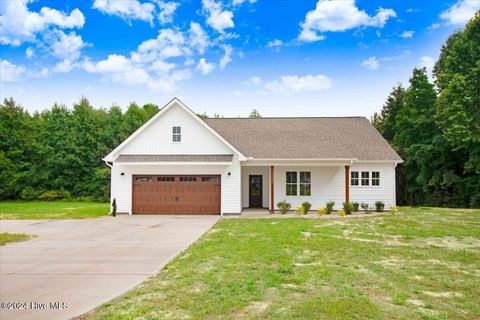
(272, 192)
(347, 183)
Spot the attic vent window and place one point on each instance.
(176, 134)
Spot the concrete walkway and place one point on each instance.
(83, 263)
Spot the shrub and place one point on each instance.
(29, 194)
(355, 206)
(55, 195)
(299, 209)
(347, 207)
(341, 212)
(306, 207)
(365, 207)
(322, 210)
(329, 206)
(379, 206)
(393, 209)
(284, 206)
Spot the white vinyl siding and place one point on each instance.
(327, 183)
(157, 138)
(370, 194)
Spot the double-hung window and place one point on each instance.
(305, 183)
(291, 183)
(375, 178)
(365, 178)
(354, 178)
(176, 134)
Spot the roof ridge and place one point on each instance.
(294, 117)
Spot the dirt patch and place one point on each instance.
(390, 262)
(416, 302)
(257, 307)
(445, 294)
(306, 234)
(298, 264)
(452, 243)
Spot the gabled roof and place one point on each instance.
(175, 101)
(305, 138)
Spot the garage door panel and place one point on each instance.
(180, 194)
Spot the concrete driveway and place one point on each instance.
(83, 263)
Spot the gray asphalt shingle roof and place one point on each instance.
(305, 138)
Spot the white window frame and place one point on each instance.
(291, 184)
(367, 179)
(357, 179)
(377, 179)
(309, 183)
(176, 134)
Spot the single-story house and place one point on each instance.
(179, 163)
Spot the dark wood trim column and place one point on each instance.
(272, 189)
(347, 183)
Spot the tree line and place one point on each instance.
(435, 127)
(61, 149)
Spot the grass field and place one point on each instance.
(6, 238)
(421, 264)
(52, 209)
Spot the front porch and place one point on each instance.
(264, 184)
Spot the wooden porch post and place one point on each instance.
(272, 193)
(347, 183)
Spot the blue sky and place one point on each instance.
(302, 58)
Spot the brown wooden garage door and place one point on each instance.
(176, 194)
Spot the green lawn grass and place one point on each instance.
(52, 209)
(13, 237)
(423, 263)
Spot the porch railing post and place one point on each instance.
(272, 192)
(347, 183)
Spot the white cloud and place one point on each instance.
(299, 83)
(120, 69)
(65, 47)
(407, 34)
(275, 43)
(427, 62)
(216, 17)
(167, 10)
(19, 24)
(240, 2)
(254, 80)
(169, 43)
(460, 12)
(150, 64)
(162, 67)
(205, 67)
(198, 38)
(29, 52)
(126, 9)
(434, 26)
(227, 55)
(10, 71)
(371, 63)
(337, 16)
